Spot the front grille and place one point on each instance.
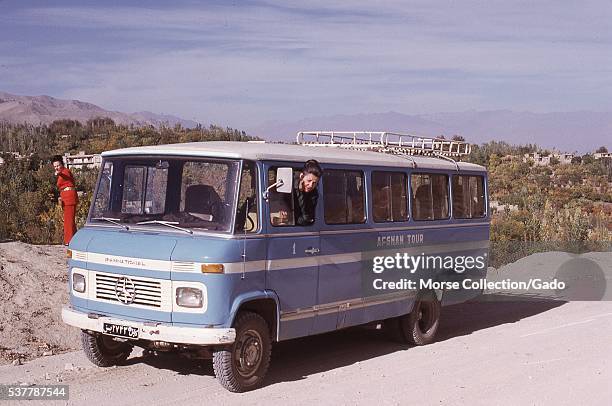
(148, 292)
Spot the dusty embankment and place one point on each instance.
(33, 287)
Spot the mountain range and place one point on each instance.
(46, 109)
(579, 131)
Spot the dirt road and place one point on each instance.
(541, 353)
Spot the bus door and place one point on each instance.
(343, 241)
(293, 261)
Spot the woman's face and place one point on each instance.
(309, 182)
(57, 166)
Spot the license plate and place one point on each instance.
(121, 331)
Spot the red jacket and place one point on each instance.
(66, 185)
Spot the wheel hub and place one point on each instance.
(249, 353)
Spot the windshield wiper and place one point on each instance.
(112, 220)
(167, 223)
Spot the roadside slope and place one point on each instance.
(33, 288)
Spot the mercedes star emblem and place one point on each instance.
(125, 290)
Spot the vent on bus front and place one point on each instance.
(178, 266)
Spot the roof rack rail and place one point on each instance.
(383, 141)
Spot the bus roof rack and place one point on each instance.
(383, 141)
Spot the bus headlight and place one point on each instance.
(78, 282)
(189, 297)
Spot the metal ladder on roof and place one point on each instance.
(388, 142)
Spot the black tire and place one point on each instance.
(243, 365)
(103, 351)
(420, 326)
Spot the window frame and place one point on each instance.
(448, 195)
(364, 194)
(272, 168)
(258, 202)
(372, 191)
(484, 195)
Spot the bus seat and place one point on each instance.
(459, 207)
(335, 208)
(422, 203)
(203, 199)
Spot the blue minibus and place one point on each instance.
(194, 248)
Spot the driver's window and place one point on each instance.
(246, 212)
(281, 204)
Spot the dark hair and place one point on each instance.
(312, 166)
(57, 158)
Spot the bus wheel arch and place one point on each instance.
(265, 306)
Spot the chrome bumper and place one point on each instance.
(152, 331)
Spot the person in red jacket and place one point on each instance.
(68, 196)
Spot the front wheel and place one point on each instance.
(243, 365)
(103, 350)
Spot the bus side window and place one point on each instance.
(468, 196)
(344, 197)
(429, 196)
(389, 196)
(281, 204)
(246, 213)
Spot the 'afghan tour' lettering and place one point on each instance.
(399, 240)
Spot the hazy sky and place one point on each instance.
(243, 63)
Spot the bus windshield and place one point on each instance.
(184, 192)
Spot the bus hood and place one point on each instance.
(131, 253)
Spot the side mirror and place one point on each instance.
(284, 175)
(283, 184)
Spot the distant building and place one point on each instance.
(602, 155)
(541, 160)
(16, 155)
(537, 158)
(82, 160)
(564, 158)
(495, 207)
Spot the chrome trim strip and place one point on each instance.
(284, 263)
(344, 305)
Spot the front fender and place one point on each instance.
(252, 296)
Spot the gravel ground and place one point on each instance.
(33, 287)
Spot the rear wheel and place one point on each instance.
(103, 350)
(421, 325)
(243, 365)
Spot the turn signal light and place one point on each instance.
(212, 268)
(69, 254)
